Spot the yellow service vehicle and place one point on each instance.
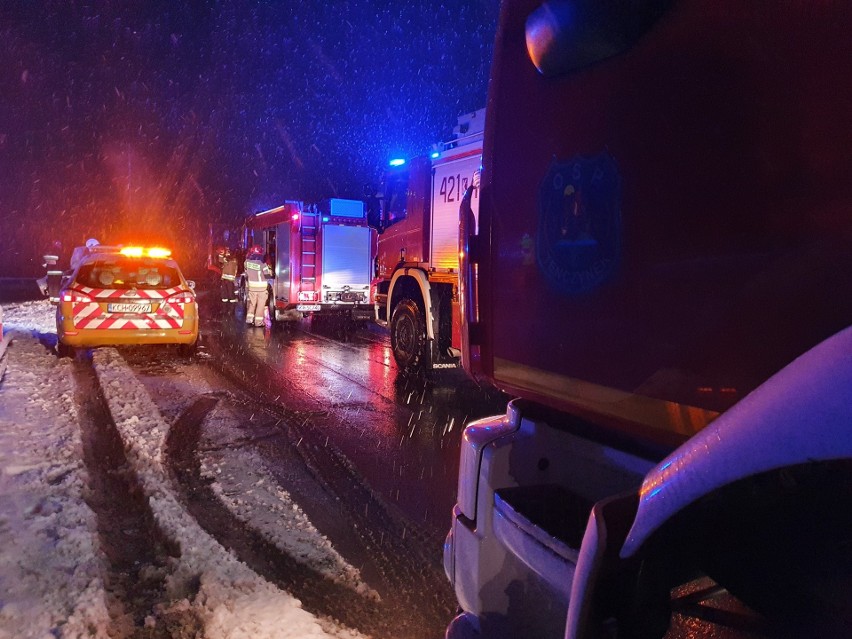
(126, 295)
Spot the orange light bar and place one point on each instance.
(138, 251)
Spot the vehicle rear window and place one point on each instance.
(120, 272)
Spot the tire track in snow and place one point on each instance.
(137, 551)
(223, 593)
(318, 594)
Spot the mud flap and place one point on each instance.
(435, 360)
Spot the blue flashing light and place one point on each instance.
(435, 155)
(325, 218)
(397, 162)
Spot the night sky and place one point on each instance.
(142, 121)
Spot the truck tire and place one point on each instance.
(408, 335)
(242, 293)
(270, 305)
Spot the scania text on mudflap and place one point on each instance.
(661, 273)
(416, 279)
(321, 256)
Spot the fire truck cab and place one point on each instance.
(320, 255)
(661, 273)
(416, 284)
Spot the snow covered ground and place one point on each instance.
(51, 566)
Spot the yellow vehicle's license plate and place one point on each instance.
(129, 308)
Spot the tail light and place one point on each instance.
(76, 297)
(184, 297)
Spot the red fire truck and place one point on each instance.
(321, 256)
(416, 285)
(662, 275)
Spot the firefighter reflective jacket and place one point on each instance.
(256, 273)
(229, 270)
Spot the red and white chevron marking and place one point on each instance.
(90, 315)
(109, 293)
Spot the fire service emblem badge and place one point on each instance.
(578, 243)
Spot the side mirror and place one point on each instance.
(374, 211)
(191, 284)
(565, 35)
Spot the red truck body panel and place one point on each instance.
(665, 229)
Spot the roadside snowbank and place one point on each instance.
(50, 564)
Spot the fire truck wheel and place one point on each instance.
(408, 335)
(242, 294)
(274, 323)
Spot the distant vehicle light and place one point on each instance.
(397, 162)
(295, 216)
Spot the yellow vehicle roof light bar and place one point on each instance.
(139, 251)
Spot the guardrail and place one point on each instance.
(19, 289)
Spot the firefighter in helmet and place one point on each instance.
(228, 277)
(256, 272)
